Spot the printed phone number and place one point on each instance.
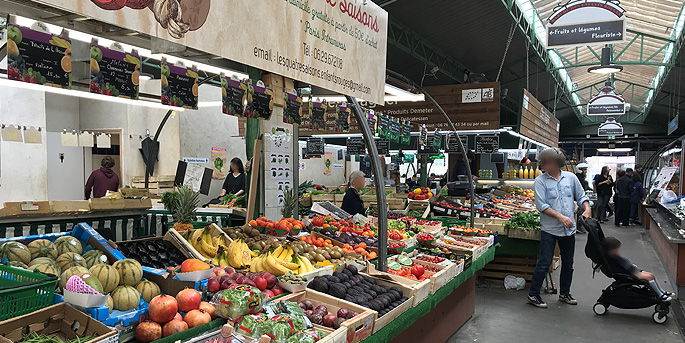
(325, 57)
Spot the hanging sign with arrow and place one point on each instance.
(586, 22)
(606, 103)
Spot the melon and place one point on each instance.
(43, 248)
(130, 271)
(108, 276)
(76, 270)
(66, 244)
(148, 290)
(15, 251)
(92, 281)
(110, 304)
(47, 269)
(94, 257)
(43, 260)
(19, 264)
(70, 259)
(125, 298)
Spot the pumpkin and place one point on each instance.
(148, 290)
(70, 259)
(66, 244)
(125, 298)
(15, 251)
(76, 270)
(94, 257)
(108, 276)
(43, 248)
(130, 271)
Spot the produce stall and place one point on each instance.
(664, 223)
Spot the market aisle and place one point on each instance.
(504, 316)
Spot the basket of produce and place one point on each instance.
(425, 239)
(524, 225)
(23, 291)
(396, 248)
(293, 283)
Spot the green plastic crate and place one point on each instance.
(449, 222)
(23, 291)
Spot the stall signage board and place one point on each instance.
(406, 134)
(317, 116)
(38, 57)
(538, 123)
(663, 179)
(383, 146)
(606, 103)
(315, 147)
(233, 96)
(114, 73)
(260, 102)
(482, 115)
(429, 148)
(452, 145)
(179, 86)
(586, 22)
(316, 42)
(356, 146)
(342, 119)
(487, 144)
(292, 112)
(610, 128)
(673, 125)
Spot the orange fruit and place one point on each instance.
(66, 64)
(253, 222)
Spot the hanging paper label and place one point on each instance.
(373, 122)
(406, 134)
(292, 113)
(342, 119)
(179, 86)
(260, 102)
(317, 116)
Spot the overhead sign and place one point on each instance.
(537, 122)
(586, 22)
(487, 144)
(317, 42)
(673, 125)
(606, 103)
(610, 128)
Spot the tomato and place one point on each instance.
(417, 270)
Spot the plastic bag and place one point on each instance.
(513, 282)
(668, 197)
(237, 301)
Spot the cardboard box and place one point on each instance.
(137, 203)
(22, 208)
(420, 290)
(70, 206)
(397, 311)
(135, 192)
(57, 320)
(358, 328)
(441, 277)
(107, 204)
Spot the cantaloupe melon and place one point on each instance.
(110, 304)
(148, 290)
(15, 251)
(125, 298)
(130, 271)
(42, 260)
(92, 281)
(94, 257)
(76, 270)
(18, 264)
(68, 244)
(108, 276)
(47, 269)
(43, 248)
(70, 259)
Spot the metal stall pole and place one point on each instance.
(379, 180)
(296, 170)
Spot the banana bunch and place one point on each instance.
(281, 261)
(239, 255)
(221, 259)
(205, 244)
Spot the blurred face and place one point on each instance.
(234, 168)
(615, 251)
(359, 182)
(584, 170)
(549, 165)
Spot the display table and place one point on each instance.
(438, 317)
(667, 236)
(159, 219)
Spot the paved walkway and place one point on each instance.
(504, 316)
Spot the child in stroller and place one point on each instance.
(620, 264)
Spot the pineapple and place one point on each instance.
(289, 198)
(185, 207)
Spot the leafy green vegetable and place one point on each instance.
(169, 199)
(317, 192)
(34, 337)
(525, 220)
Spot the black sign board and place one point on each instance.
(395, 130)
(383, 124)
(356, 146)
(383, 146)
(397, 159)
(373, 122)
(113, 72)
(233, 96)
(453, 146)
(315, 147)
(179, 86)
(317, 116)
(292, 113)
(428, 148)
(260, 102)
(406, 133)
(37, 57)
(487, 144)
(586, 33)
(437, 141)
(342, 118)
(606, 109)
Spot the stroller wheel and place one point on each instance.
(599, 309)
(659, 318)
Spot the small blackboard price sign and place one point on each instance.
(179, 86)
(372, 119)
(315, 147)
(452, 145)
(233, 96)
(356, 146)
(395, 130)
(38, 57)
(406, 134)
(342, 118)
(260, 103)
(292, 113)
(114, 73)
(487, 144)
(383, 126)
(383, 146)
(317, 116)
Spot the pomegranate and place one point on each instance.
(148, 331)
(173, 327)
(163, 308)
(329, 320)
(188, 299)
(196, 318)
(209, 308)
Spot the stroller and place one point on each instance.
(626, 291)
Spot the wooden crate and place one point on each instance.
(137, 203)
(107, 204)
(70, 206)
(323, 197)
(338, 197)
(501, 266)
(519, 233)
(397, 311)
(135, 192)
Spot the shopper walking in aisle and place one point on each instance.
(624, 189)
(636, 198)
(352, 202)
(556, 193)
(603, 184)
(638, 170)
(102, 180)
(582, 177)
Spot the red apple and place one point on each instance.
(229, 270)
(260, 282)
(277, 290)
(225, 277)
(213, 284)
(226, 284)
(235, 276)
(252, 276)
(271, 280)
(218, 271)
(267, 294)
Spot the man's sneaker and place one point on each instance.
(537, 301)
(666, 298)
(568, 299)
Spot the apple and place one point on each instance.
(267, 294)
(226, 284)
(260, 282)
(271, 280)
(277, 290)
(213, 284)
(14, 33)
(229, 270)
(235, 276)
(252, 276)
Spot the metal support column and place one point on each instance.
(296, 169)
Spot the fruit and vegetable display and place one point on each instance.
(282, 321)
(525, 220)
(328, 224)
(280, 228)
(461, 242)
(155, 253)
(470, 231)
(372, 212)
(34, 337)
(420, 193)
(165, 319)
(359, 289)
(209, 246)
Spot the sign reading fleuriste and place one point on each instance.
(585, 22)
(606, 103)
(610, 128)
(317, 42)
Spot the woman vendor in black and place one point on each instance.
(235, 180)
(352, 202)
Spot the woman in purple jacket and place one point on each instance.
(636, 197)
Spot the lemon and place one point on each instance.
(165, 82)
(94, 66)
(12, 48)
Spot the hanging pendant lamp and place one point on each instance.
(606, 67)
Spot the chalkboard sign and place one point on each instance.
(452, 144)
(356, 146)
(260, 102)
(397, 159)
(113, 72)
(428, 148)
(315, 147)
(383, 146)
(233, 96)
(395, 130)
(487, 144)
(406, 133)
(383, 125)
(179, 86)
(373, 122)
(423, 137)
(317, 116)
(437, 141)
(38, 57)
(342, 118)
(292, 113)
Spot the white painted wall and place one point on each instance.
(314, 168)
(65, 177)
